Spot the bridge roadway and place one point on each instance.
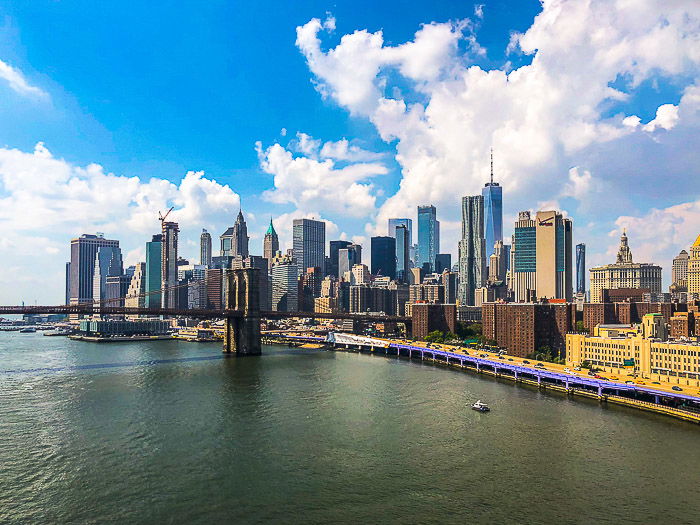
(90, 309)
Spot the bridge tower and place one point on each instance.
(241, 292)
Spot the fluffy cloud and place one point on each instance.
(18, 83)
(314, 183)
(540, 118)
(660, 234)
(42, 193)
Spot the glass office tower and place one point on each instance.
(428, 237)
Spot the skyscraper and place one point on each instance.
(83, 251)
(581, 268)
(403, 250)
(472, 246)
(334, 248)
(679, 271)
(493, 213)
(542, 257)
(168, 265)
(443, 261)
(498, 262)
(108, 263)
(67, 297)
(309, 242)
(428, 237)
(554, 264)
(153, 272)
(408, 224)
(285, 287)
(234, 241)
(271, 244)
(384, 256)
(623, 273)
(524, 258)
(348, 257)
(694, 268)
(137, 287)
(205, 248)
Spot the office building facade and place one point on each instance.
(493, 213)
(234, 241)
(581, 268)
(153, 270)
(271, 244)
(383, 256)
(82, 265)
(428, 237)
(693, 274)
(309, 243)
(108, 263)
(137, 288)
(205, 248)
(347, 258)
(624, 273)
(168, 264)
(472, 247)
(285, 287)
(403, 252)
(334, 249)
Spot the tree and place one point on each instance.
(436, 336)
(580, 328)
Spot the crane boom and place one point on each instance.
(162, 217)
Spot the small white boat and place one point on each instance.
(480, 407)
(28, 330)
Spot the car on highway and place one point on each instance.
(567, 369)
(629, 382)
(577, 368)
(526, 362)
(598, 376)
(676, 388)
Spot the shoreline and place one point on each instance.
(573, 392)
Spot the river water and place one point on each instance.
(172, 432)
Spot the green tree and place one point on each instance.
(436, 336)
(580, 328)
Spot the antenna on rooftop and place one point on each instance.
(491, 166)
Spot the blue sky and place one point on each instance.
(155, 90)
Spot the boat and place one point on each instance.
(480, 407)
(58, 331)
(28, 330)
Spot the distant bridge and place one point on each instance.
(241, 313)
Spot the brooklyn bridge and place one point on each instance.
(241, 312)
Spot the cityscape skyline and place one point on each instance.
(340, 163)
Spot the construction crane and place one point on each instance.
(162, 217)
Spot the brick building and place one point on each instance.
(427, 318)
(525, 328)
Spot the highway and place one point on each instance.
(552, 367)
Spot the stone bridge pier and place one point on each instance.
(241, 292)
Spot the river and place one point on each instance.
(173, 432)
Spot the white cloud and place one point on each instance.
(660, 234)
(342, 150)
(318, 186)
(666, 118)
(42, 193)
(579, 185)
(18, 83)
(540, 118)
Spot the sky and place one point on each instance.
(350, 112)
